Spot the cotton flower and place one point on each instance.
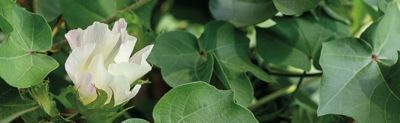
(101, 59)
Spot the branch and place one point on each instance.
(134, 6)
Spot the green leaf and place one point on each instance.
(50, 9)
(22, 58)
(12, 105)
(297, 41)
(135, 120)
(337, 9)
(230, 48)
(200, 102)
(183, 59)
(295, 7)
(382, 4)
(242, 12)
(180, 58)
(78, 13)
(4, 25)
(359, 78)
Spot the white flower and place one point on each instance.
(101, 59)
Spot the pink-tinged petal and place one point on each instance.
(77, 60)
(87, 92)
(101, 77)
(73, 38)
(119, 25)
(125, 50)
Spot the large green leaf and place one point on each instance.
(359, 78)
(230, 49)
(297, 41)
(295, 7)
(12, 105)
(181, 59)
(242, 12)
(22, 53)
(79, 13)
(200, 102)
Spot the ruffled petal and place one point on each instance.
(121, 90)
(131, 71)
(119, 25)
(140, 57)
(125, 50)
(101, 77)
(103, 37)
(77, 61)
(73, 37)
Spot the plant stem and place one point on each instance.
(273, 96)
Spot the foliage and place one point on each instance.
(300, 61)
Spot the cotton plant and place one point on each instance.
(102, 60)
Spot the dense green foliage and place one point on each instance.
(299, 61)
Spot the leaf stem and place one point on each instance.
(299, 83)
(292, 89)
(57, 25)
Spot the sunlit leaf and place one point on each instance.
(295, 7)
(361, 75)
(200, 102)
(22, 54)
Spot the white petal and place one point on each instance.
(73, 38)
(103, 37)
(119, 25)
(101, 77)
(126, 48)
(140, 57)
(121, 90)
(77, 61)
(87, 92)
(131, 71)
(136, 89)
